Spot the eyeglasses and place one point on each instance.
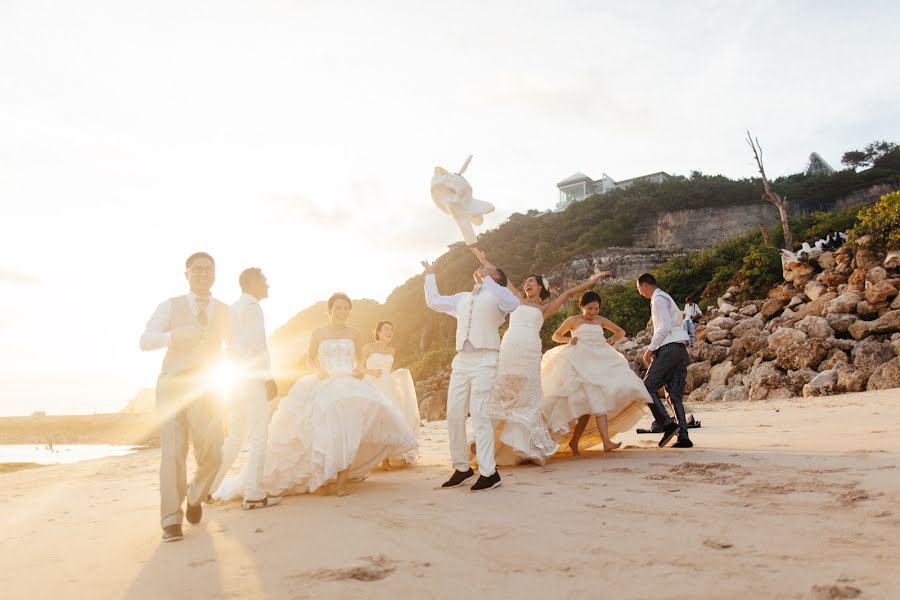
(202, 270)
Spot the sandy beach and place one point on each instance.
(786, 499)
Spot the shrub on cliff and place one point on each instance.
(881, 221)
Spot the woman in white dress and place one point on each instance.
(517, 399)
(588, 377)
(331, 426)
(397, 386)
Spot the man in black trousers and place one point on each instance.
(668, 359)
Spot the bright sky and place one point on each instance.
(301, 136)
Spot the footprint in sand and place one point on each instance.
(834, 592)
(376, 568)
(717, 544)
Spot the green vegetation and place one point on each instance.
(881, 221)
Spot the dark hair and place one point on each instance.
(590, 296)
(379, 326)
(247, 276)
(689, 299)
(503, 278)
(544, 293)
(339, 296)
(190, 259)
(647, 278)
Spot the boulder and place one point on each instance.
(797, 301)
(827, 261)
(726, 308)
(751, 326)
(717, 394)
(867, 311)
(797, 272)
(892, 260)
(697, 375)
(814, 289)
(833, 357)
(699, 394)
(797, 379)
(738, 393)
(889, 322)
(782, 393)
(885, 377)
(763, 378)
(859, 329)
(880, 293)
(831, 280)
(715, 335)
(817, 306)
(714, 354)
(851, 379)
(840, 322)
(844, 303)
(869, 355)
(823, 384)
(719, 374)
(815, 327)
(749, 310)
(784, 336)
(806, 354)
(723, 343)
(845, 345)
(876, 274)
(895, 305)
(724, 323)
(754, 343)
(857, 280)
(772, 307)
(865, 258)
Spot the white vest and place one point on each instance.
(677, 332)
(477, 319)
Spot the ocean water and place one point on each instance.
(60, 453)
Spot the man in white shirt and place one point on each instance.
(692, 312)
(193, 329)
(253, 389)
(478, 314)
(667, 358)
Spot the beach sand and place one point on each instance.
(788, 499)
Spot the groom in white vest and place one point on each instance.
(668, 359)
(478, 314)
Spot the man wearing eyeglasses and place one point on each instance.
(194, 330)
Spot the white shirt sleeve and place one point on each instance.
(506, 300)
(248, 340)
(157, 334)
(436, 302)
(662, 321)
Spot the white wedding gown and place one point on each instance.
(324, 426)
(517, 399)
(398, 387)
(590, 378)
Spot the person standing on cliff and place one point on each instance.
(691, 313)
(194, 330)
(667, 359)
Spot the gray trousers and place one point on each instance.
(669, 370)
(187, 411)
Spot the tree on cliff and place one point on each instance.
(769, 194)
(867, 157)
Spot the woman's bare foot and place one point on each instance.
(611, 446)
(574, 446)
(341, 490)
(386, 464)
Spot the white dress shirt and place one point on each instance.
(249, 348)
(158, 333)
(506, 300)
(691, 311)
(660, 312)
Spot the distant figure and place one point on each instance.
(804, 251)
(835, 240)
(667, 359)
(397, 386)
(254, 388)
(691, 313)
(193, 328)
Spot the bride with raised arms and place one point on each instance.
(588, 377)
(331, 426)
(397, 386)
(517, 399)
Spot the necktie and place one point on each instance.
(202, 303)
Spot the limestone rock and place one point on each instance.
(772, 307)
(823, 384)
(717, 394)
(751, 326)
(738, 393)
(865, 258)
(892, 260)
(699, 394)
(714, 354)
(857, 280)
(784, 336)
(815, 327)
(814, 289)
(817, 306)
(845, 303)
(715, 335)
(869, 355)
(840, 322)
(834, 356)
(876, 274)
(827, 261)
(749, 310)
(805, 354)
(866, 310)
(880, 292)
(763, 378)
(724, 323)
(719, 374)
(726, 308)
(851, 379)
(795, 272)
(885, 377)
(845, 345)
(697, 375)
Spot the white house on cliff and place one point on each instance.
(579, 186)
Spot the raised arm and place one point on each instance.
(506, 300)
(559, 336)
(618, 333)
(555, 304)
(482, 258)
(433, 299)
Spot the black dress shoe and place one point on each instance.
(193, 514)
(670, 430)
(458, 478)
(487, 483)
(172, 533)
(683, 442)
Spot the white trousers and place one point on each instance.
(248, 420)
(471, 382)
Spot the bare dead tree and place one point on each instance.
(769, 194)
(765, 234)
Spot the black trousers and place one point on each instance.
(669, 370)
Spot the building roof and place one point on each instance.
(817, 165)
(573, 179)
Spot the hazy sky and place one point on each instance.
(301, 136)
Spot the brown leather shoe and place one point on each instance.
(193, 514)
(172, 533)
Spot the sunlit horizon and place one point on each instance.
(300, 138)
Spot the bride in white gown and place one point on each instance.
(588, 377)
(331, 426)
(397, 386)
(516, 402)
